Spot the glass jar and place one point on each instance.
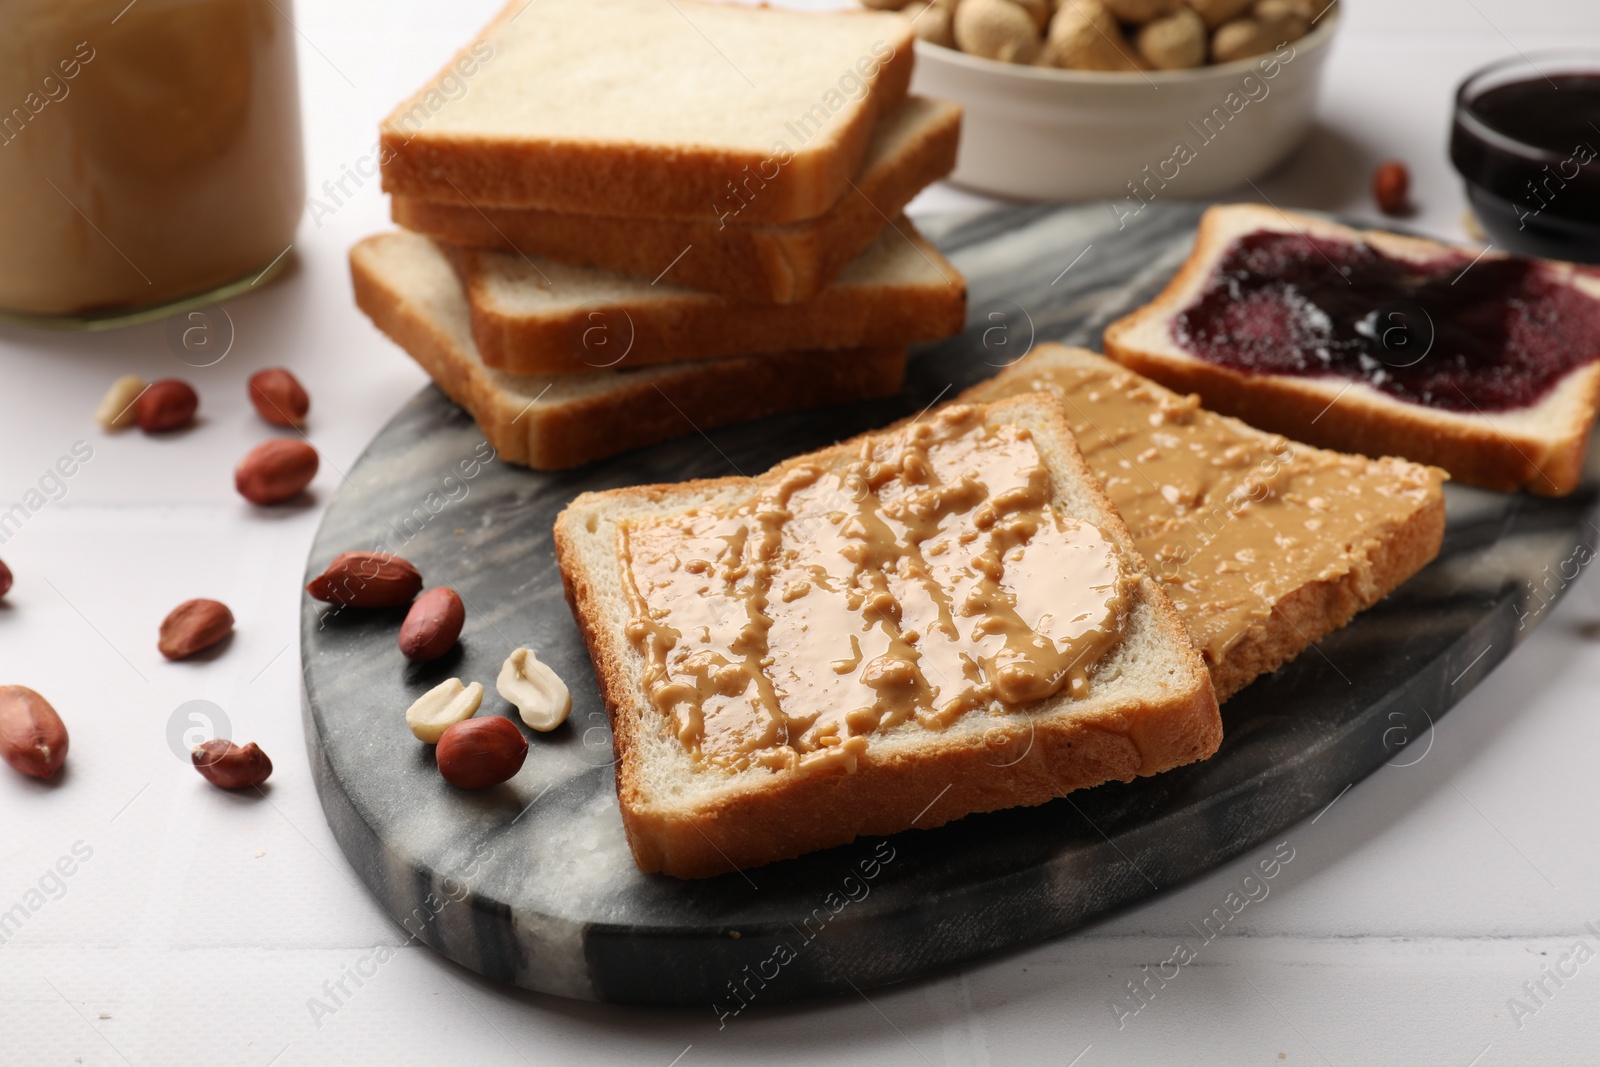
(1526, 141)
(150, 155)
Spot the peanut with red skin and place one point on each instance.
(230, 766)
(194, 626)
(167, 405)
(367, 580)
(279, 397)
(5, 579)
(275, 471)
(1391, 187)
(432, 625)
(33, 739)
(478, 753)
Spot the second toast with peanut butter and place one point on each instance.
(1264, 544)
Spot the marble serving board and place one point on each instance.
(531, 882)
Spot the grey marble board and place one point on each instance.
(531, 882)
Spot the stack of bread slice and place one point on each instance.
(628, 220)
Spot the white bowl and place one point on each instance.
(1045, 134)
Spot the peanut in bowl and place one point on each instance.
(1038, 130)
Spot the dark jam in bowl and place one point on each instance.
(1453, 334)
(1527, 143)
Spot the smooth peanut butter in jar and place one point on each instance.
(926, 577)
(149, 151)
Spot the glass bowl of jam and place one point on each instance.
(1526, 139)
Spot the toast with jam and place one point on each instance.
(1484, 364)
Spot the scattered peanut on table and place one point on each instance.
(230, 766)
(275, 471)
(194, 626)
(33, 739)
(1391, 188)
(279, 398)
(432, 625)
(538, 692)
(166, 405)
(441, 707)
(367, 580)
(117, 410)
(478, 753)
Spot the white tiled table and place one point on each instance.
(201, 927)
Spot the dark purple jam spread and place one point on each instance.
(1452, 334)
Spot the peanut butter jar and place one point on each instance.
(150, 155)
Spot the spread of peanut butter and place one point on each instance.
(923, 577)
(1229, 518)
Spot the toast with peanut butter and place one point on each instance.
(1485, 364)
(407, 286)
(942, 618)
(1265, 545)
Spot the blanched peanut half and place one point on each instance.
(535, 689)
(442, 707)
(117, 410)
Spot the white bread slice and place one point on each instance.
(1148, 708)
(652, 108)
(1539, 448)
(782, 263)
(1392, 525)
(537, 316)
(409, 289)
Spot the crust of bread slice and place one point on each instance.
(408, 288)
(1538, 448)
(1351, 578)
(1149, 708)
(783, 263)
(537, 316)
(649, 109)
